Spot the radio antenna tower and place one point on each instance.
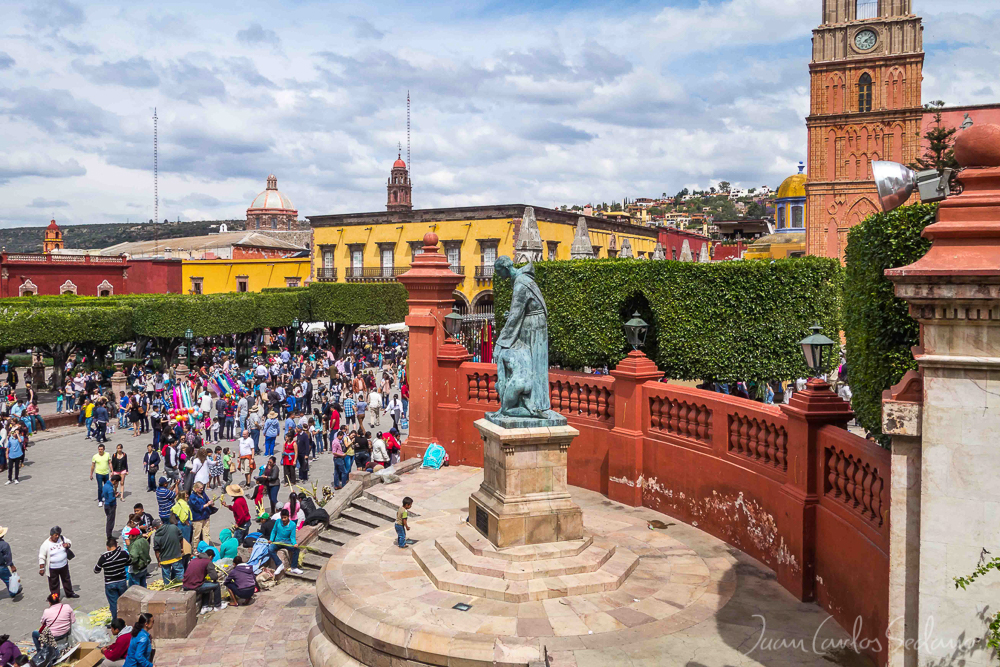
(408, 132)
(156, 171)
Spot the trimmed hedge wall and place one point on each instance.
(720, 321)
(358, 303)
(20, 327)
(879, 330)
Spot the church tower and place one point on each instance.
(53, 239)
(399, 187)
(865, 105)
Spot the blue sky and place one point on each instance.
(547, 103)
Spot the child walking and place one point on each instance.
(402, 515)
(215, 469)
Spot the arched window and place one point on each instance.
(865, 93)
(781, 216)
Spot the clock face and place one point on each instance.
(865, 39)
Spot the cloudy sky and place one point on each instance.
(547, 102)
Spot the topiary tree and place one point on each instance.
(877, 325)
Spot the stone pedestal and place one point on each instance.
(119, 380)
(524, 498)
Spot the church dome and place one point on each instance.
(271, 199)
(53, 226)
(794, 185)
(399, 164)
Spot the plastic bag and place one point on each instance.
(14, 587)
(434, 456)
(85, 633)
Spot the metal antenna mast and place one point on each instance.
(408, 132)
(156, 171)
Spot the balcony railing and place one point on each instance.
(326, 275)
(460, 270)
(484, 275)
(376, 274)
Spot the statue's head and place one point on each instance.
(502, 268)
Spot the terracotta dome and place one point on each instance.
(53, 225)
(271, 199)
(794, 185)
(399, 164)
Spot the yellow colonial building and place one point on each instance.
(378, 246)
(212, 276)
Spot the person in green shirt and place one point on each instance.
(138, 549)
(100, 465)
(402, 524)
(229, 544)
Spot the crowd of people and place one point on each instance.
(278, 412)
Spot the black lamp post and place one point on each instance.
(295, 327)
(813, 349)
(188, 335)
(635, 331)
(453, 323)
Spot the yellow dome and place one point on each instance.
(794, 185)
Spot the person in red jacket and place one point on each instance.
(114, 655)
(240, 510)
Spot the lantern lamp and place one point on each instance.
(453, 323)
(814, 347)
(635, 331)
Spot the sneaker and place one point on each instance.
(205, 610)
(6, 483)
(295, 570)
(100, 504)
(279, 570)
(17, 481)
(222, 606)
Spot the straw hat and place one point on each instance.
(272, 415)
(3, 531)
(234, 490)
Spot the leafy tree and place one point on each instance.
(756, 211)
(724, 186)
(683, 193)
(940, 152)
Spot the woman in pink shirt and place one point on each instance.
(58, 619)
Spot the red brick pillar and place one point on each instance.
(447, 397)
(625, 444)
(430, 283)
(807, 412)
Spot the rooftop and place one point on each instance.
(201, 243)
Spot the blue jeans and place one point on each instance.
(5, 575)
(348, 464)
(113, 592)
(400, 536)
(186, 530)
(210, 594)
(89, 422)
(137, 578)
(293, 555)
(59, 407)
(255, 436)
(269, 445)
(70, 402)
(173, 571)
(339, 473)
(101, 480)
(406, 406)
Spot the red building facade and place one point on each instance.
(86, 275)
(672, 241)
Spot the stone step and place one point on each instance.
(441, 572)
(310, 560)
(361, 517)
(462, 559)
(308, 574)
(325, 549)
(377, 510)
(333, 537)
(388, 504)
(346, 527)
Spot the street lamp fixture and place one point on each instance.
(453, 323)
(295, 323)
(185, 350)
(896, 182)
(813, 349)
(635, 331)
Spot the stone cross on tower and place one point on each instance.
(528, 247)
(581, 248)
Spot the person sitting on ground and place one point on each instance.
(58, 619)
(9, 652)
(140, 648)
(229, 545)
(283, 537)
(114, 654)
(241, 582)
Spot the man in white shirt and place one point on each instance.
(206, 403)
(375, 406)
(247, 463)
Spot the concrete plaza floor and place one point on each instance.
(55, 489)
(693, 600)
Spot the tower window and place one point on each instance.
(866, 9)
(865, 93)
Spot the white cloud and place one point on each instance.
(511, 102)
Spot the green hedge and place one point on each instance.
(877, 325)
(20, 327)
(720, 321)
(358, 303)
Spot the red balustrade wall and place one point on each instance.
(731, 467)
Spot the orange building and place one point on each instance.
(865, 105)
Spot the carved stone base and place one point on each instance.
(524, 497)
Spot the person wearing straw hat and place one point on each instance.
(240, 510)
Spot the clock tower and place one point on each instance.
(865, 105)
